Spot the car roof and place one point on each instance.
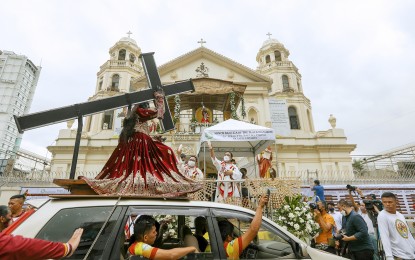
(99, 200)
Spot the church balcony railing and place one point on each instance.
(119, 64)
(283, 64)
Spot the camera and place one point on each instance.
(350, 187)
(369, 204)
(338, 236)
(312, 206)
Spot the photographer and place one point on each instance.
(354, 189)
(397, 241)
(355, 232)
(370, 227)
(326, 222)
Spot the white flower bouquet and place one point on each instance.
(296, 217)
(168, 225)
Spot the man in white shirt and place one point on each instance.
(336, 215)
(397, 241)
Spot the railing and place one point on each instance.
(248, 191)
(304, 176)
(120, 63)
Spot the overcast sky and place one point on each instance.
(357, 58)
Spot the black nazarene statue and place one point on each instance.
(140, 165)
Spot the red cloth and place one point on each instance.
(20, 248)
(142, 166)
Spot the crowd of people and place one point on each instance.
(359, 229)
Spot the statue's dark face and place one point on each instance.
(144, 105)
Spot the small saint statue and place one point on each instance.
(205, 115)
(332, 121)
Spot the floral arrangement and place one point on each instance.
(176, 108)
(296, 217)
(233, 107)
(243, 112)
(171, 222)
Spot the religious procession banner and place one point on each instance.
(238, 137)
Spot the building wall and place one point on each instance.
(18, 80)
(304, 150)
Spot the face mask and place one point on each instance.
(343, 213)
(191, 163)
(331, 209)
(226, 158)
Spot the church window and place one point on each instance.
(115, 82)
(132, 57)
(107, 120)
(121, 54)
(277, 55)
(267, 59)
(285, 83)
(292, 113)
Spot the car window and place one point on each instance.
(61, 227)
(270, 243)
(176, 228)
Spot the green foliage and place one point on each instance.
(234, 115)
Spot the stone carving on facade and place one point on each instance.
(202, 71)
(231, 75)
(332, 121)
(69, 124)
(173, 75)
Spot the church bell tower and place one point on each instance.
(114, 78)
(273, 62)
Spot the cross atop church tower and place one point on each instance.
(129, 33)
(201, 42)
(269, 35)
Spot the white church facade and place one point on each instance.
(220, 84)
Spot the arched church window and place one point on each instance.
(121, 54)
(107, 120)
(132, 57)
(115, 82)
(267, 59)
(292, 113)
(285, 83)
(277, 55)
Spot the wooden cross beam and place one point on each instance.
(63, 114)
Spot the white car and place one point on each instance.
(107, 222)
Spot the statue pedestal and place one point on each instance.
(76, 187)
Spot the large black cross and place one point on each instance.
(63, 114)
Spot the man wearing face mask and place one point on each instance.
(355, 232)
(227, 171)
(336, 215)
(191, 171)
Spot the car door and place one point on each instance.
(177, 219)
(100, 226)
(270, 243)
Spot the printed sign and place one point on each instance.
(279, 116)
(240, 135)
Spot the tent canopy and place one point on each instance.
(241, 138)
